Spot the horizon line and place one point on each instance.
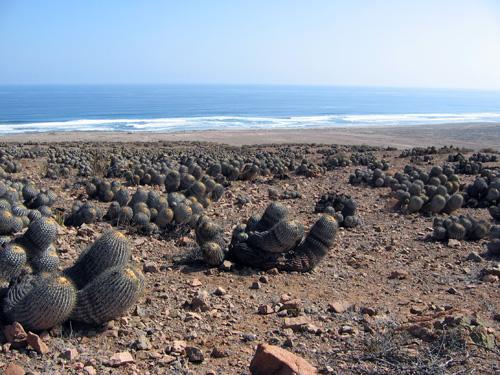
(326, 85)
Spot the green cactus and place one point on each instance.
(108, 296)
(41, 233)
(110, 250)
(12, 260)
(40, 301)
(281, 238)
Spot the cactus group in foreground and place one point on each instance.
(100, 286)
(270, 241)
(341, 206)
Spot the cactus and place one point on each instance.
(12, 260)
(41, 233)
(110, 250)
(108, 296)
(40, 301)
(282, 237)
(46, 261)
(272, 215)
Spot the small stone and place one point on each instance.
(264, 279)
(297, 323)
(368, 311)
(293, 304)
(218, 352)
(13, 369)
(265, 309)
(200, 301)
(120, 359)
(273, 271)
(346, 330)
(37, 343)
(474, 257)
(227, 266)
(417, 310)
(247, 337)
(150, 267)
(338, 307)
(89, 370)
(489, 278)
(142, 343)
(15, 333)
(70, 354)
(194, 354)
(195, 283)
(452, 291)
(453, 243)
(255, 285)
(178, 346)
(399, 274)
(220, 291)
(273, 360)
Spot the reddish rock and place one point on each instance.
(14, 369)
(272, 360)
(37, 343)
(120, 359)
(15, 333)
(296, 323)
(339, 307)
(70, 354)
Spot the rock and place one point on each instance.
(265, 309)
(453, 243)
(178, 346)
(293, 304)
(273, 271)
(15, 333)
(142, 343)
(346, 330)
(264, 279)
(195, 283)
(89, 370)
(474, 257)
(218, 352)
(273, 360)
(338, 307)
(13, 369)
(120, 359)
(37, 343)
(399, 274)
(220, 291)
(452, 291)
(227, 266)
(297, 323)
(255, 285)
(247, 337)
(70, 354)
(368, 311)
(200, 301)
(150, 267)
(490, 278)
(194, 354)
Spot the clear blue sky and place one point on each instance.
(429, 43)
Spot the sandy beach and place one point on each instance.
(472, 135)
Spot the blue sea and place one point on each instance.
(168, 108)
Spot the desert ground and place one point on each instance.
(386, 299)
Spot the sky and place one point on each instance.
(424, 43)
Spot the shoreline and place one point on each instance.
(470, 135)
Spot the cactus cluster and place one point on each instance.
(369, 160)
(340, 206)
(431, 150)
(101, 285)
(483, 193)
(483, 158)
(309, 169)
(427, 193)
(275, 241)
(60, 161)
(210, 238)
(83, 213)
(21, 203)
(373, 178)
(459, 228)
(336, 161)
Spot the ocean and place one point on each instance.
(169, 108)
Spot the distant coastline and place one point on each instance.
(475, 136)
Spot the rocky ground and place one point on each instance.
(386, 300)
